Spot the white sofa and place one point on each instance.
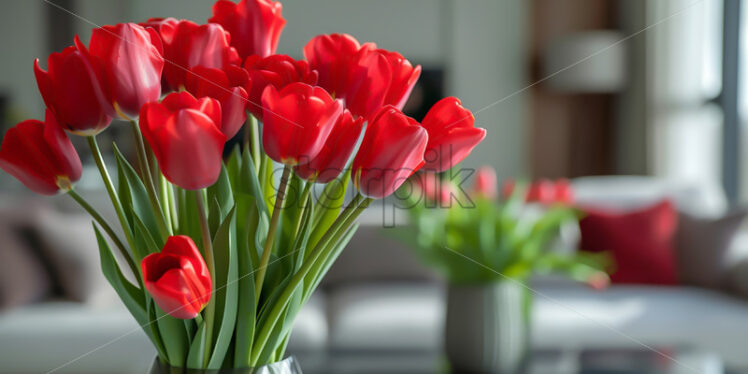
(378, 298)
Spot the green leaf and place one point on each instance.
(266, 181)
(250, 184)
(221, 192)
(131, 296)
(196, 354)
(189, 223)
(245, 323)
(174, 337)
(312, 280)
(144, 239)
(290, 215)
(226, 294)
(328, 206)
(234, 167)
(214, 215)
(153, 328)
(139, 203)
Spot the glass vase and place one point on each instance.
(288, 366)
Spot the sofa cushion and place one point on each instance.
(641, 242)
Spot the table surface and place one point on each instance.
(633, 361)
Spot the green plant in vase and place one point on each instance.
(487, 247)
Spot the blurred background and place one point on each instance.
(654, 92)
(565, 88)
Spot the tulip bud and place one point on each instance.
(542, 191)
(278, 71)
(41, 156)
(72, 91)
(366, 76)
(507, 188)
(485, 183)
(188, 45)
(403, 79)
(186, 139)
(452, 134)
(391, 151)
(255, 25)
(564, 192)
(229, 87)
(297, 121)
(331, 56)
(435, 190)
(178, 278)
(334, 155)
(131, 60)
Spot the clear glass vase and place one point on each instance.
(288, 366)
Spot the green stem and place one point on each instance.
(96, 152)
(208, 254)
(265, 258)
(150, 186)
(166, 206)
(347, 216)
(107, 228)
(254, 131)
(172, 204)
(303, 201)
(323, 258)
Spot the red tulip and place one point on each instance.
(278, 71)
(434, 189)
(564, 192)
(228, 87)
(255, 25)
(367, 77)
(336, 151)
(178, 278)
(379, 77)
(392, 150)
(41, 156)
(403, 79)
(188, 45)
(331, 56)
(71, 89)
(507, 188)
(297, 121)
(485, 183)
(542, 191)
(185, 136)
(367, 82)
(131, 59)
(452, 135)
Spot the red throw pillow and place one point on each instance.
(641, 242)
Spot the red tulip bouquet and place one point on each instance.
(482, 236)
(215, 255)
